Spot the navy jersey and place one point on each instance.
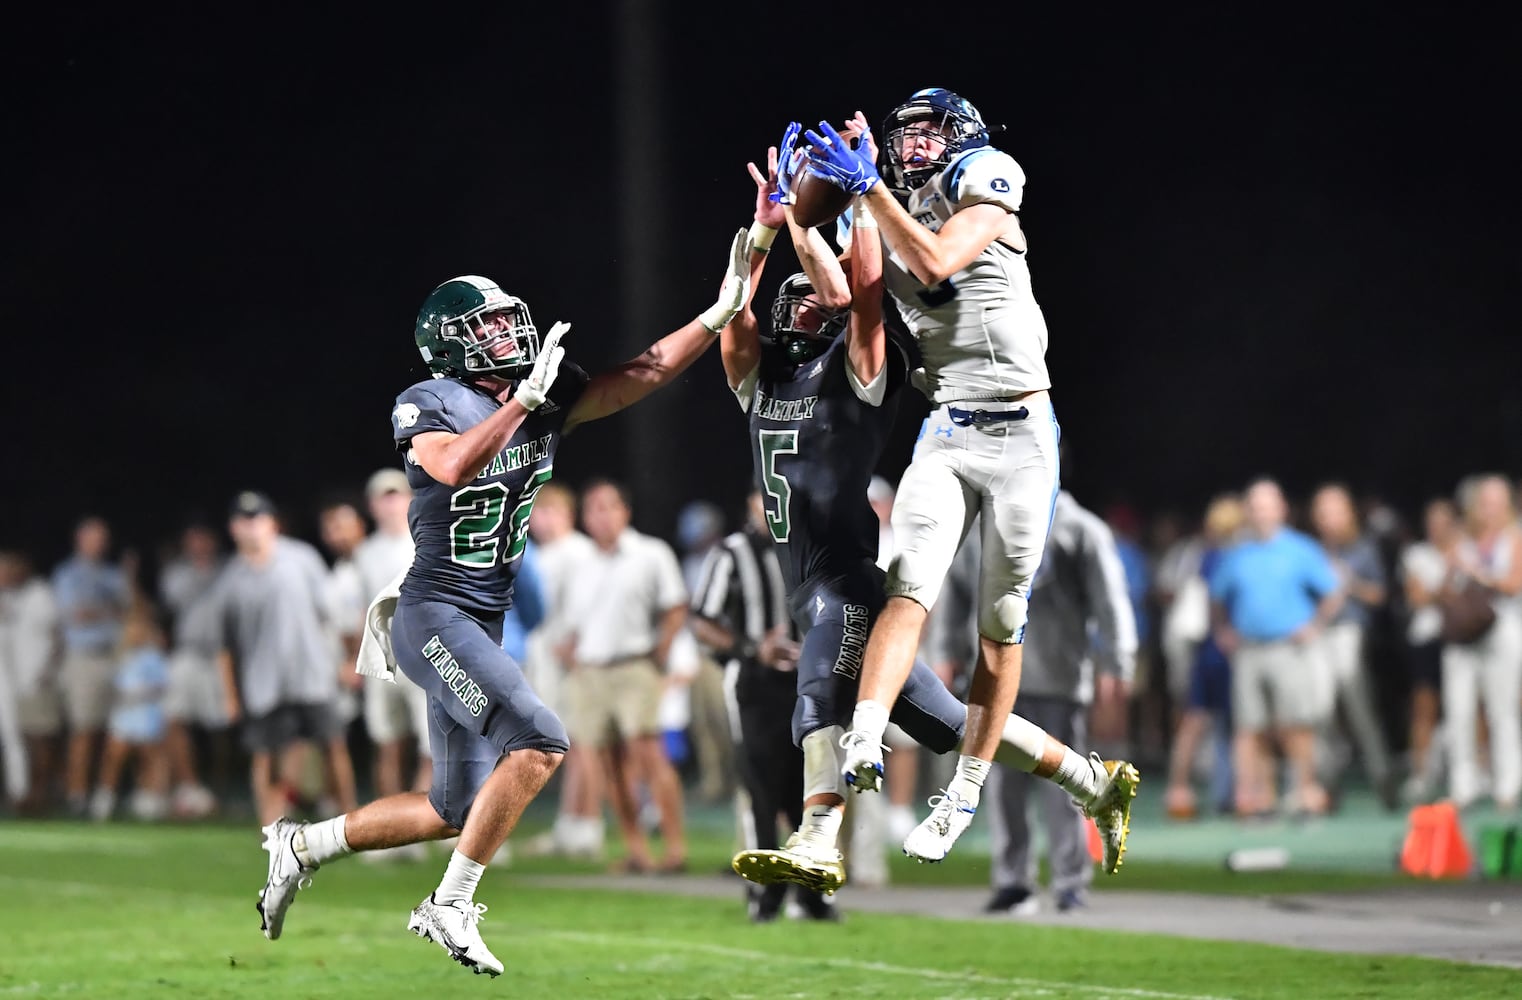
(470, 538)
(815, 445)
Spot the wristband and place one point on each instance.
(761, 237)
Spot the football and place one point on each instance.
(815, 200)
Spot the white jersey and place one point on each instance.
(980, 332)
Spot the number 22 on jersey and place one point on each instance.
(474, 537)
(774, 443)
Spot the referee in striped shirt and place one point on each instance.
(739, 610)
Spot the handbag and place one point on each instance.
(1466, 611)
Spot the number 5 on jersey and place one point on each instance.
(473, 538)
(774, 443)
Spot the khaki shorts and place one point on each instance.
(394, 711)
(87, 684)
(39, 712)
(607, 704)
(1278, 684)
(196, 692)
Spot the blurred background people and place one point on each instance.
(628, 602)
(1362, 580)
(194, 698)
(1274, 594)
(92, 594)
(1424, 569)
(1486, 669)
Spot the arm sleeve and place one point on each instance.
(745, 392)
(711, 598)
(1104, 580)
(670, 590)
(1321, 578)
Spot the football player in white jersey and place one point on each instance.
(946, 202)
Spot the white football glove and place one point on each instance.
(533, 390)
(735, 291)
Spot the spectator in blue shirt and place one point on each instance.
(1272, 596)
(92, 596)
(528, 607)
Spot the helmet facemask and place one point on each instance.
(803, 326)
(945, 120)
(499, 338)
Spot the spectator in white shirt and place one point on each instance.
(1424, 567)
(30, 712)
(627, 603)
(393, 712)
(578, 829)
(195, 695)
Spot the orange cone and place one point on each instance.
(1434, 846)
(1096, 843)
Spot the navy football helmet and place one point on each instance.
(948, 120)
(801, 325)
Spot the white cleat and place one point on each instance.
(453, 927)
(950, 816)
(1111, 807)
(286, 876)
(863, 766)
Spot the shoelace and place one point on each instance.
(941, 808)
(852, 739)
(474, 912)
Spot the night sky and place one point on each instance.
(1279, 245)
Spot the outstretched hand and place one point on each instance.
(831, 157)
(735, 291)
(788, 156)
(533, 390)
(769, 211)
(857, 131)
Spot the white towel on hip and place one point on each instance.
(376, 658)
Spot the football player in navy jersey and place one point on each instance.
(478, 439)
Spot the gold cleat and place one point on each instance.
(1111, 808)
(820, 869)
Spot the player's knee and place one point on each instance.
(1004, 621)
(550, 735)
(811, 714)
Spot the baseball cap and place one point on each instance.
(387, 481)
(251, 504)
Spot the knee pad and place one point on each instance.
(1004, 622)
(822, 763)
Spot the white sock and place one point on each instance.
(821, 825)
(459, 881)
(968, 780)
(1076, 775)
(319, 843)
(870, 717)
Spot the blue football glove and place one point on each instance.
(832, 158)
(787, 161)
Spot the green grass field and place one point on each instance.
(128, 911)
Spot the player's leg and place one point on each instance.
(829, 665)
(930, 516)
